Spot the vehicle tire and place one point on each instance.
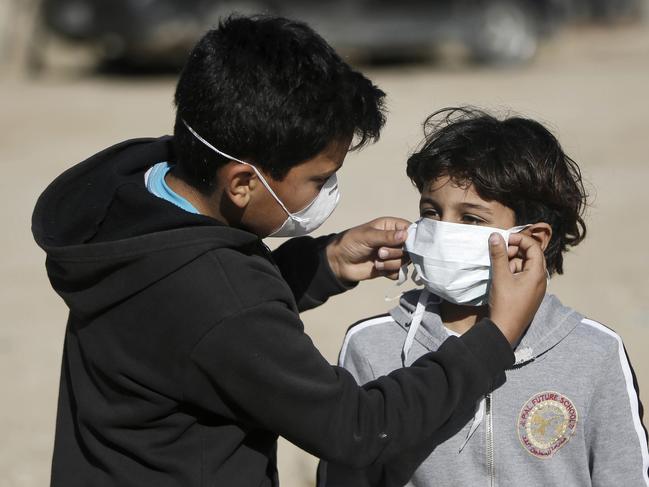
(504, 32)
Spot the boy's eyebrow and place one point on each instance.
(329, 172)
(474, 206)
(426, 199)
(477, 206)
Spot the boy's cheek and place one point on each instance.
(263, 219)
(298, 198)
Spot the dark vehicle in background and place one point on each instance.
(162, 31)
(606, 11)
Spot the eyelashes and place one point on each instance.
(467, 218)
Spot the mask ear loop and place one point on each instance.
(259, 175)
(519, 228)
(417, 316)
(477, 419)
(403, 277)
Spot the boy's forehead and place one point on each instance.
(445, 185)
(448, 190)
(319, 165)
(329, 159)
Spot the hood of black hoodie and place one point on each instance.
(107, 238)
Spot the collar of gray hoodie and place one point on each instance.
(552, 323)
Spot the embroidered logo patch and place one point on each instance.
(546, 422)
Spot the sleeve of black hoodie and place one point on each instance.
(304, 266)
(259, 361)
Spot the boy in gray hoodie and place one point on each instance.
(568, 412)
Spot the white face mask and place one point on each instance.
(307, 219)
(452, 259)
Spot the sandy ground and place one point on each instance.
(590, 86)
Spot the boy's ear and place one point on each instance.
(541, 232)
(238, 182)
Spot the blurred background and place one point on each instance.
(79, 75)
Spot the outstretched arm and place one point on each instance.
(316, 269)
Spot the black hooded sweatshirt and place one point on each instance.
(185, 356)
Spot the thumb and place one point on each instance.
(375, 237)
(498, 254)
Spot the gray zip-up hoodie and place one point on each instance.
(568, 412)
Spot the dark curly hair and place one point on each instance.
(515, 161)
(270, 91)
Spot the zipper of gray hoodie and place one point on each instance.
(489, 426)
(491, 469)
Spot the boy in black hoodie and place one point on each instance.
(184, 353)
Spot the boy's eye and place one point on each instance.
(429, 213)
(320, 182)
(473, 220)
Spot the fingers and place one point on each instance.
(522, 241)
(512, 251)
(392, 265)
(388, 253)
(514, 299)
(498, 254)
(516, 265)
(386, 231)
(515, 261)
(377, 238)
(390, 223)
(530, 251)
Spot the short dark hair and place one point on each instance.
(515, 161)
(272, 92)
